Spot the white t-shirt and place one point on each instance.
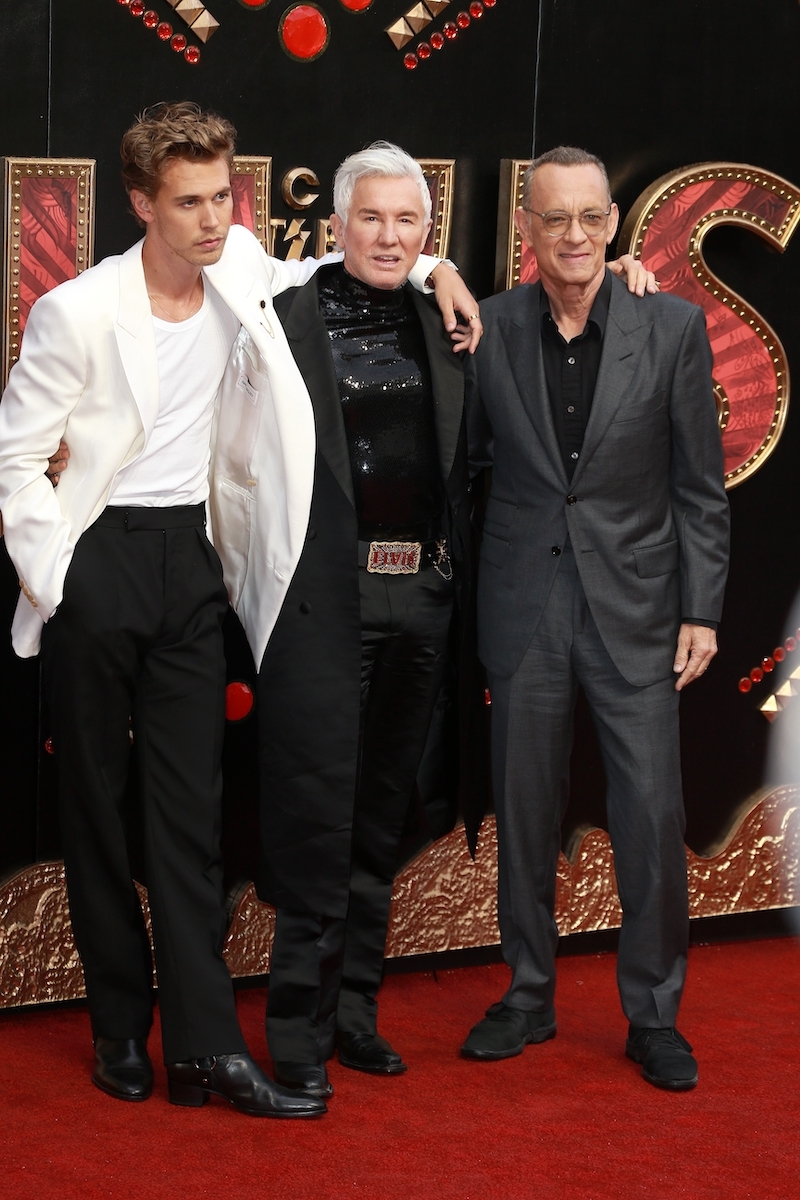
(173, 467)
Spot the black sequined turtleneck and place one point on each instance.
(382, 368)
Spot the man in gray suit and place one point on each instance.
(603, 565)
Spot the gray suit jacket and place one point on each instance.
(646, 509)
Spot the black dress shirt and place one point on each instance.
(571, 370)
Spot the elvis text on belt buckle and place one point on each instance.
(394, 558)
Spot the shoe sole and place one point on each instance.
(400, 1069)
(534, 1038)
(667, 1085)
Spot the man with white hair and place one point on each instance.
(351, 675)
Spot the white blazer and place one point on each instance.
(88, 372)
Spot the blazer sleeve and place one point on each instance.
(697, 482)
(479, 431)
(43, 389)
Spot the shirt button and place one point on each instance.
(570, 408)
(572, 499)
(574, 454)
(571, 362)
(555, 550)
(305, 608)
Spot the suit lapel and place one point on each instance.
(627, 332)
(521, 333)
(447, 378)
(310, 345)
(135, 338)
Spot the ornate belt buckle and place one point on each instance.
(394, 558)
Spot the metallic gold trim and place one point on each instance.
(441, 172)
(635, 229)
(508, 255)
(261, 171)
(16, 172)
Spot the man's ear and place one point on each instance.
(142, 206)
(521, 222)
(337, 228)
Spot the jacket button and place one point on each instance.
(555, 550)
(263, 303)
(312, 533)
(572, 499)
(305, 607)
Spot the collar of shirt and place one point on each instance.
(598, 314)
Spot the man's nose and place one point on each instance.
(208, 215)
(576, 232)
(389, 232)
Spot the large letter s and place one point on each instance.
(666, 228)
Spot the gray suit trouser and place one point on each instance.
(532, 716)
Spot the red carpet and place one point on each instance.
(570, 1118)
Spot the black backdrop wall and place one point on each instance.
(651, 88)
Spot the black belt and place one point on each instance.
(134, 518)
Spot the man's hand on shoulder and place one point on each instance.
(452, 296)
(58, 463)
(637, 278)
(697, 645)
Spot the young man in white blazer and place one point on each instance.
(124, 592)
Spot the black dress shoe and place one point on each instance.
(665, 1055)
(309, 1078)
(368, 1052)
(505, 1032)
(236, 1078)
(122, 1068)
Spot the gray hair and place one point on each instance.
(562, 156)
(381, 159)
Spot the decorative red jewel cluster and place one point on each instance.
(450, 31)
(768, 663)
(163, 29)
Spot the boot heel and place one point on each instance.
(187, 1094)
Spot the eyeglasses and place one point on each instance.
(556, 224)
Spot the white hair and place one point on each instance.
(381, 159)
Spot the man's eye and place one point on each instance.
(556, 221)
(595, 219)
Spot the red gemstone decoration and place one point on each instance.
(768, 664)
(123, 1)
(791, 644)
(304, 31)
(437, 41)
(476, 10)
(150, 18)
(192, 55)
(254, 3)
(164, 31)
(423, 50)
(410, 62)
(49, 748)
(450, 30)
(489, 3)
(779, 654)
(745, 684)
(756, 674)
(463, 20)
(355, 5)
(239, 701)
(136, 8)
(178, 43)
(487, 697)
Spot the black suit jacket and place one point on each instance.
(646, 509)
(311, 673)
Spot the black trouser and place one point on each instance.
(324, 972)
(138, 637)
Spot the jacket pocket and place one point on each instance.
(494, 550)
(640, 409)
(652, 561)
